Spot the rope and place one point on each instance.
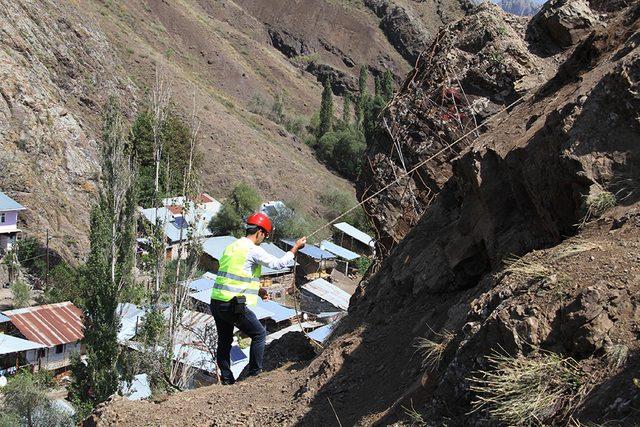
(416, 167)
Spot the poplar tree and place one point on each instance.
(108, 271)
(346, 109)
(387, 86)
(326, 109)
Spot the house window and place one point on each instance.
(2, 219)
(59, 348)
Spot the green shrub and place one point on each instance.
(21, 293)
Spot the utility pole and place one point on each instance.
(46, 274)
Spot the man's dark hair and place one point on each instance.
(251, 230)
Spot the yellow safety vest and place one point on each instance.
(232, 280)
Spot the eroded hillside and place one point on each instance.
(61, 60)
(530, 249)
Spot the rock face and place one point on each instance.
(48, 157)
(565, 22)
(474, 69)
(412, 27)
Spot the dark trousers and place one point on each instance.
(249, 324)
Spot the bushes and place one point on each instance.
(335, 202)
(21, 293)
(242, 201)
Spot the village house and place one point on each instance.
(58, 328)
(320, 296)
(313, 261)
(181, 220)
(9, 230)
(347, 236)
(346, 258)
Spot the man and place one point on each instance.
(238, 281)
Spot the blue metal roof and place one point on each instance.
(328, 292)
(359, 235)
(4, 318)
(310, 250)
(11, 344)
(343, 253)
(237, 355)
(215, 246)
(8, 204)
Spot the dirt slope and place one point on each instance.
(520, 189)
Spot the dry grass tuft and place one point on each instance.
(617, 355)
(597, 205)
(414, 416)
(528, 391)
(431, 351)
(575, 248)
(525, 270)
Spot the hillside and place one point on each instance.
(523, 264)
(61, 60)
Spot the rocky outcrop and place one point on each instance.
(476, 67)
(411, 29)
(564, 22)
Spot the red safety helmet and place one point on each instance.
(260, 220)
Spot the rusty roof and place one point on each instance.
(49, 324)
(175, 209)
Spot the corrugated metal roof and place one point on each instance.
(214, 246)
(278, 312)
(49, 324)
(310, 250)
(131, 318)
(11, 344)
(329, 293)
(205, 282)
(4, 318)
(296, 327)
(198, 220)
(8, 204)
(343, 253)
(359, 235)
(322, 333)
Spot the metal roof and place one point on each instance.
(11, 344)
(4, 318)
(359, 235)
(139, 388)
(322, 333)
(310, 250)
(343, 253)
(215, 246)
(329, 293)
(278, 312)
(130, 318)
(205, 282)
(50, 324)
(296, 327)
(8, 204)
(197, 219)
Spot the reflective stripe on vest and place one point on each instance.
(232, 280)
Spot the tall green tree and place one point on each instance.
(377, 86)
(346, 109)
(362, 96)
(326, 109)
(242, 201)
(387, 86)
(109, 266)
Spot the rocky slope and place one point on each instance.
(565, 154)
(61, 60)
(479, 66)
